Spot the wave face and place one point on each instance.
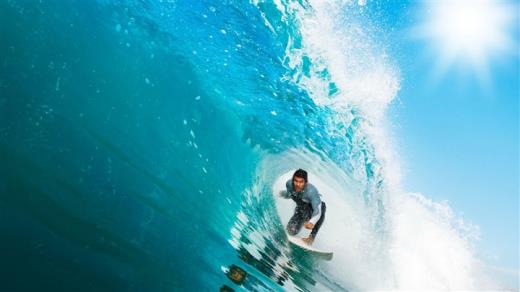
(141, 142)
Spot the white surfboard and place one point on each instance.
(297, 241)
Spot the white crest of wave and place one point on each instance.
(363, 74)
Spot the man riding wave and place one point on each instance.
(310, 209)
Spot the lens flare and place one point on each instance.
(468, 32)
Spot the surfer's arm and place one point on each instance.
(284, 194)
(287, 192)
(316, 208)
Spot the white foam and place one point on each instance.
(424, 245)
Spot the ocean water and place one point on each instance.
(141, 143)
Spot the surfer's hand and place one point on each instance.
(283, 193)
(308, 225)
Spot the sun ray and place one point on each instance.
(470, 33)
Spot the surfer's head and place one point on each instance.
(299, 180)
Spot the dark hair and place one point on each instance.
(300, 173)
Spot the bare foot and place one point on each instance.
(308, 240)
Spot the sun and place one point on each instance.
(468, 32)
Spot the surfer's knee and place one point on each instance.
(291, 230)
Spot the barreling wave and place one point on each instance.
(146, 150)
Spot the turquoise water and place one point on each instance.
(140, 141)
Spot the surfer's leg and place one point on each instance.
(320, 221)
(296, 221)
(295, 224)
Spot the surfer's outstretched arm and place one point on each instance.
(287, 192)
(284, 194)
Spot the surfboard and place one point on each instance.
(298, 242)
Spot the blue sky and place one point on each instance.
(457, 127)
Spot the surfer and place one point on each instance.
(309, 206)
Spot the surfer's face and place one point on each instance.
(298, 183)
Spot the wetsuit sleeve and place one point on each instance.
(287, 192)
(316, 206)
